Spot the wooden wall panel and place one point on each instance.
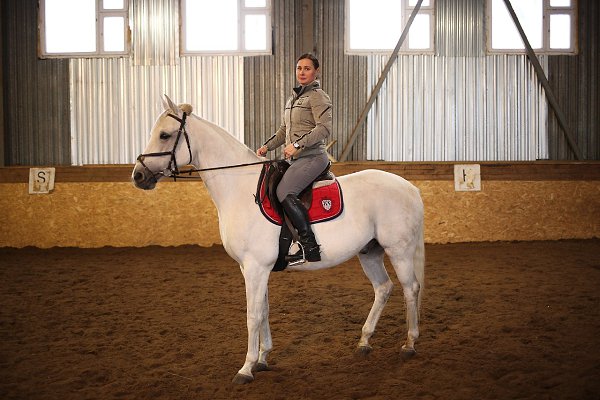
(506, 211)
(107, 214)
(116, 214)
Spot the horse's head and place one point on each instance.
(168, 149)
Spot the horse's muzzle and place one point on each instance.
(143, 180)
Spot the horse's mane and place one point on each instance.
(232, 142)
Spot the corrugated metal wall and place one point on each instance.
(269, 79)
(460, 28)
(2, 141)
(577, 87)
(116, 103)
(343, 78)
(36, 93)
(116, 100)
(459, 104)
(155, 27)
(457, 108)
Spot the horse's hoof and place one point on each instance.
(260, 367)
(241, 379)
(408, 352)
(363, 351)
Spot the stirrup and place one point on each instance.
(293, 263)
(300, 256)
(297, 262)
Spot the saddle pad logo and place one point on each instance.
(326, 204)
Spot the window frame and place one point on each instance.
(404, 49)
(547, 11)
(101, 13)
(243, 11)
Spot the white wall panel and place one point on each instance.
(155, 32)
(434, 108)
(115, 103)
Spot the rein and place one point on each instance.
(189, 171)
(172, 171)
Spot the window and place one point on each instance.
(83, 28)
(374, 26)
(548, 24)
(226, 27)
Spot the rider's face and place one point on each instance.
(305, 71)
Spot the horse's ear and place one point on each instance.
(169, 105)
(186, 108)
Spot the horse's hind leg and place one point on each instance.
(372, 264)
(402, 260)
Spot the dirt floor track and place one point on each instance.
(499, 321)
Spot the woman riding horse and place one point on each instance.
(307, 122)
(383, 216)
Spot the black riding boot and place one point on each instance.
(285, 241)
(298, 215)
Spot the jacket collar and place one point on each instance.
(299, 90)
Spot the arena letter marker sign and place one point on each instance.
(41, 180)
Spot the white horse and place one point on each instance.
(383, 214)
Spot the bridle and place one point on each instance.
(172, 171)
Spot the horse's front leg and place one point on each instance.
(256, 279)
(266, 343)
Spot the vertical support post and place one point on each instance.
(308, 41)
(562, 120)
(363, 115)
(2, 160)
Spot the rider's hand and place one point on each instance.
(289, 151)
(261, 151)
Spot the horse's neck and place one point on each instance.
(217, 148)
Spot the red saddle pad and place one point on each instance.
(327, 203)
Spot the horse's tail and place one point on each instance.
(419, 263)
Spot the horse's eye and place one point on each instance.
(164, 135)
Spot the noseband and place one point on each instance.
(171, 170)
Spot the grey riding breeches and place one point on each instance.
(301, 173)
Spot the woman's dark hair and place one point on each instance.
(310, 57)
